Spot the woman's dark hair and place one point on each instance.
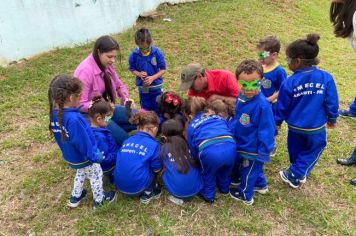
(270, 44)
(169, 102)
(99, 106)
(60, 89)
(174, 146)
(341, 15)
(142, 119)
(102, 45)
(192, 106)
(143, 36)
(248, 67)
(305, 49)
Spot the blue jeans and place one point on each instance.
(119, 125)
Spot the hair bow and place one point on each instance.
(171, 98)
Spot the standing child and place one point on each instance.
(273, 73)
(181, 175)
(307, 101)
(76, 140)
(211, 142)
(100, 112)
(254, 132)
(148, 65)
(137, 163)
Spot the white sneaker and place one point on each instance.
(176, 200)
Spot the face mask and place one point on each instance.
(263, 55)
(107, 119)
(253, 85)
(145, 51)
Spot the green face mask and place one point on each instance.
(107, 119)
(263, 55)
(253, 85)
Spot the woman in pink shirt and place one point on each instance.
(99, 77)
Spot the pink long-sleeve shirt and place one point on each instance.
(93, 83)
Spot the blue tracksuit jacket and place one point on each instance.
(80, 148)
(136, 161)
(272, 80)
(254, 129)
(152, 64)
(307, 100)
(206, 130)
(179, 184)
(107, 144)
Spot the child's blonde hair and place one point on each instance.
(192, 106)
(145, 118)
(220, 107)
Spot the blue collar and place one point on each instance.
(307, 69)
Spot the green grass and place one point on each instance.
(35, 182)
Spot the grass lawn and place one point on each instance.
(35, 183)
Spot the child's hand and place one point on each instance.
(143, 74)
(278, 127)
(330, 125)
(148, 80)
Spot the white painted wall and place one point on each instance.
(29, 27)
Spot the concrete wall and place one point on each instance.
(29, 27)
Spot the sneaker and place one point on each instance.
(237, 196)
(147, 196)
(303, 180)
(289, 178)
(261, 190)
(346, 113)
(274, 152)
(210, 201)
(73, 202)
(235, 182)
(108, 198)
(353, 182)
(346, 161)
(176, 200)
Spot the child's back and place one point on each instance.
(180, 167)
(308, 99)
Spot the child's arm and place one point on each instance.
(84, 142)
(149, 79)
(155, 163)
(273, 97)
(283, 103)
(266, 130)
(161, 64)
(331, 103)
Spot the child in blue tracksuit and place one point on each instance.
(76, 140)
(181, 173)
(137, 163)
(99, 114)
(254, 132)
(307, 101)
(147, 63)
(273, 73)
(211, 142)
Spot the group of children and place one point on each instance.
(203, 146)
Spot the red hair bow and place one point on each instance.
(171, 98)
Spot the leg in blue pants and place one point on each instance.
(148, 101)
(119, 125)
(309, 151)
(294, 144)
(217, 162)
(250, 172)
(261, 181)
(353, 107)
